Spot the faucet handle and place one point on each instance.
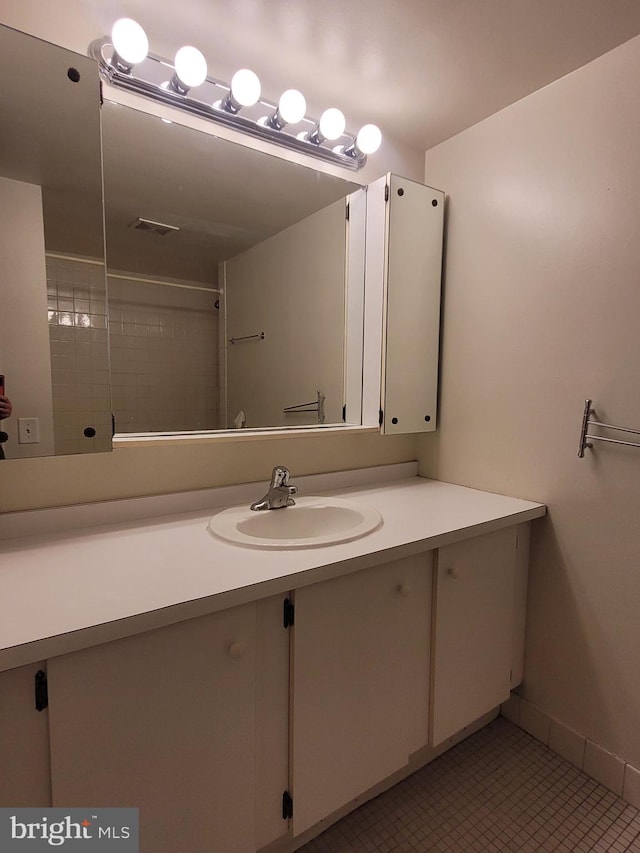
(280, 476)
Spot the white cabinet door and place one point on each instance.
(272, 720)
(476, 591)
(24, 741)
(404, 240)
(415, 216)
(360, 683)
(165, 722)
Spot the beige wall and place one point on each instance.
(24, 334)
(130, 472)
(542, 309)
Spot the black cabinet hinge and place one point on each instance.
(380, 417)
(347, 211)
(344, 414)
(287, 806)
(288, 613)
(386, 192)
(42, 690)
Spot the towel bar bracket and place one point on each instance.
(587, 438)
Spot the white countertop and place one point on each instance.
(69, 590)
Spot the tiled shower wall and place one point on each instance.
(165, 364)
(165, 355)
(79, 354)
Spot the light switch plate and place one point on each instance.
(28, 431)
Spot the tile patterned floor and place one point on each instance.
(500, 790)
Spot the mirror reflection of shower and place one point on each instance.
(260, 236)
(166, 339)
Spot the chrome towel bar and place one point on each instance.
(587, 422)
(316, 405)
(260, 337)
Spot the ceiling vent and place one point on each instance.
(159, 228)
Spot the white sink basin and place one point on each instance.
(312, 522)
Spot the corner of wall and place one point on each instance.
(427, 455)
(606, 768)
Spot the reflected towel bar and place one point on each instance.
(316, 405)
(585, 434)
(260, 336)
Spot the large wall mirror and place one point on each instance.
(227, 271)
(53, 321)
(234, 278)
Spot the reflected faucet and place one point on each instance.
(279, 494)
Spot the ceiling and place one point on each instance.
(223, 197)
(421, 69)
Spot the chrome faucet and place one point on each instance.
(279, 494)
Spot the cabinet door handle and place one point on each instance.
(453, 572)
(403, 589)
(237, 649)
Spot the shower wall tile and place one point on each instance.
(79, 354)
(164, 357)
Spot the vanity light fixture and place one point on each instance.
(190, 70)
(366, 142)
(130, 44)
(124, 61)
(291, 109)
(245, 91)
(331, 126)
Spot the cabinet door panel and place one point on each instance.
(360, 683)
(272, 720)
(24, 741)
(412, 316)
(165, 722)
(474, 626)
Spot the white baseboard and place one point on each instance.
(610, 770)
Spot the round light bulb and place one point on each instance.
(129, 40)
(292, 106)
(245, 87)
(332, 123)
(369, 139)
(191, 66)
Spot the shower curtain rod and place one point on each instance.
(123, 277)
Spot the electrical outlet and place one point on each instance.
(28, 431)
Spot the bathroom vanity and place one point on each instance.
(243, 698)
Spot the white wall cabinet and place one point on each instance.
(405, 222)
(478, 636)
(360, 679)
